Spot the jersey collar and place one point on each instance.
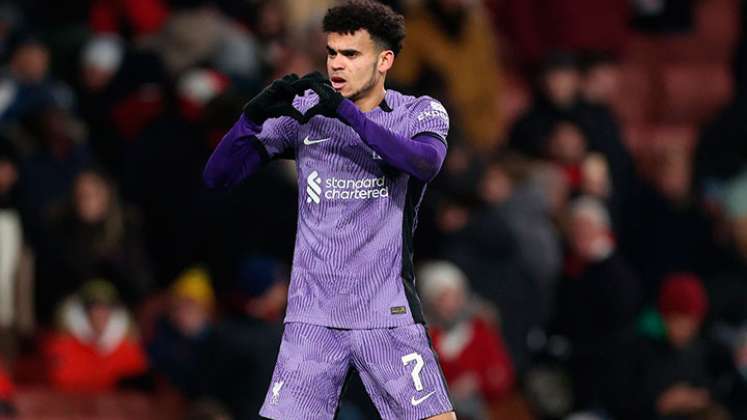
(384, 105)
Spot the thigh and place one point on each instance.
(312, 364)
(401, 372)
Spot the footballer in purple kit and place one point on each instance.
(364, 155)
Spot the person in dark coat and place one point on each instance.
(680, 375)
(181, 343)
(597, 302)
(247, 342)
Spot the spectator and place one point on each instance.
(452, 42)
(95, 346)
(15, 258)
(678, 376)
(597, 301)
(557, 90)
(53, 151)
(474, 359)
(26, 85)
(96, 235)
(512, 187)
(221, 43)
(121, 92)
(726, 288)
(570, 119)
(600, 81)
(479, 240)
(173, 195)
(248, 340)
(181, 344)
(667, 231)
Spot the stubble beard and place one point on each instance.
(367, 87)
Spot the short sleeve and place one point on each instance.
(278, 136)
(428, 116)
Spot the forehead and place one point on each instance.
(359, 40)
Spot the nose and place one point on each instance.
(337, 62)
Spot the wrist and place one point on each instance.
(251, 124)
(253, 115)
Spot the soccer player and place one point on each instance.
(364, 155)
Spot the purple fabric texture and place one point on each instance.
(357, 212)
(420, 156)
(397, 366)
(235, 158)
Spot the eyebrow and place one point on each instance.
(347, 51)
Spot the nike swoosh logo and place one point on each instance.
(306, 141)
(414, 401)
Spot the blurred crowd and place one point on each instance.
(570, 266)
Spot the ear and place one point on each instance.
(386, 60)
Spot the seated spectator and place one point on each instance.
(26, 86)
(6, 394)
(679, 376)
(511, 186)
(600, 81)
(556, 97)
(95, 346)
(597, 302)
(248, 340)
(180, 344)
(473, 357)
(667, 231)
(570, 121)
(96, 236)
(53, 151)
(15, 258)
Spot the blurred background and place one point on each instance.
(582, 255)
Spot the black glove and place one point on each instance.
(274, 101)
(329, 98)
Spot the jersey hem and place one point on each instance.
(325, 323)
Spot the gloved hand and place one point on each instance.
(274, 101)
(329, 98)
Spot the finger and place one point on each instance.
(291, 111)
(296, 115)
(290, 78)
(286, 91)
(315, 75)
(311, 113)
(310, 80)
(302, 85)
(323, 90)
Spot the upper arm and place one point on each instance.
(428, 116)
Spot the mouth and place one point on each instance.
(337, 82)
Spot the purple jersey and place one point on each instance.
(352, 266)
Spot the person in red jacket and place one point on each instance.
(473, 356)
(95, 346)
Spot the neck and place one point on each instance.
(372, 100)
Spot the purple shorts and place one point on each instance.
(397, 366)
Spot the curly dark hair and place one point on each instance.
(387, 27)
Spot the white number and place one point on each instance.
(416, 370)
